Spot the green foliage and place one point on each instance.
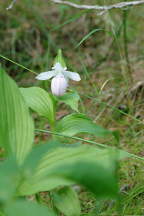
(9, 178)
(16, 125)
(37, 153)
(40, 101)
(97, 178)
(87, 36)
(67, 202)
(52, 165)
(78, 123)
(43, 178)
(31, 33)
(23, 208)
(71, 99)
(60, 167)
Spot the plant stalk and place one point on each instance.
(125, 42)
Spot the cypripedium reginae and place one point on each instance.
(60, 76)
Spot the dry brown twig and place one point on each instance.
(98, 7)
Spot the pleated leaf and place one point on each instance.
(66, 201)
(40, 101)
(50, 174)
(9, 179)
(24, 208)
(79, 123)
(96, 177)
(16, 125)
(37, 153)
(71, 99)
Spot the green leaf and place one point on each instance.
(50, 174)
(78, 123)
(87, 36)
(40, 101)
(9, 178)
(67, 202)
(16, 125)
(24, 208)
(95, 176)
(70, 99)
(31, 186)
(37, 153)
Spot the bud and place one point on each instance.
(59, 59)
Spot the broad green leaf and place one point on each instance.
(96, 177)
(1, 213)
(47, 183)
(70, 99)
(79, 123)
(9, 178)
(24, 208)
(47, 176)
(40, 101)
(37, 153)
(67, 202)
(16, 125)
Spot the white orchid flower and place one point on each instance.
(60, 79)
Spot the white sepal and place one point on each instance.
(46, 75)
(72, 75)
(59, 85)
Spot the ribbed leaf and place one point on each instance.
(16, 125)
(42, 180)
(47, 183)
(49, 172)
(67, 202)
(9, 178)
(70, 99)
(37, 153)
(24, 208)
(79, 123)
(40, 101)
(95, 176)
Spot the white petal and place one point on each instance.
(59, 85)
(46, 75)
(72, 75)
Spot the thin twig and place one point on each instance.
(125, 40)
(98, 7)
(11, 5)
(22, 66)
(89, 141)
